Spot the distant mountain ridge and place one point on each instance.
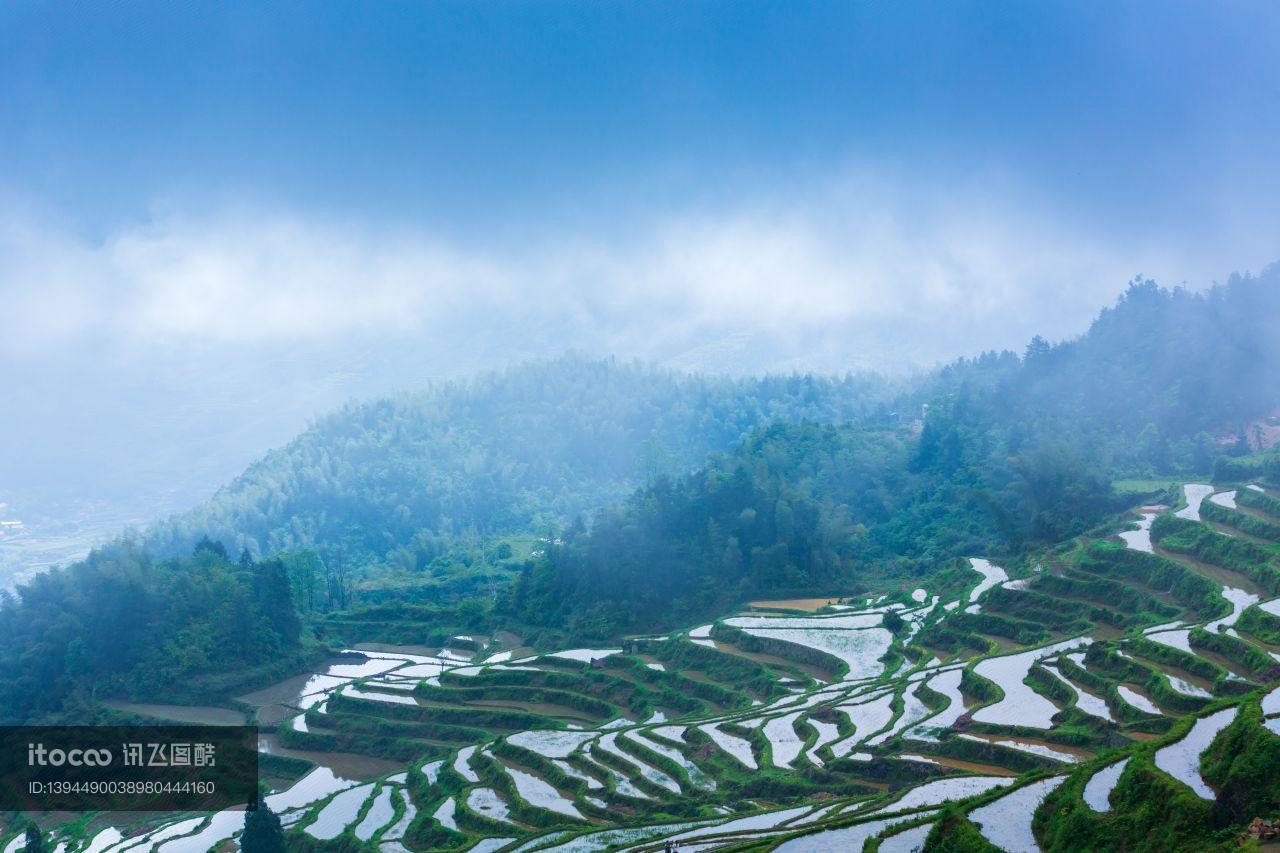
(1015, 454)
(541, 443)
(517, 450)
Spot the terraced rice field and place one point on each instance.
(724, 735)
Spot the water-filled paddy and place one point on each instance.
(1181, 759)
(1097, 791)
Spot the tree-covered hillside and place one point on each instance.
(1015, 454)
(807, 508)
(123, 624)
(1149, 382)
(398, 479)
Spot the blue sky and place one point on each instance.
(475, 116)
(828, 185)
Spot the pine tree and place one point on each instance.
(262, 830)
(274, 598)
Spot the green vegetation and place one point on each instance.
(1258, 468)
(1150, 812)
(435, 483)
(1260, 501)
(953, 833)
(1183, 585)
(124, 624)
(406, 519)
(628, 747)
(795, 508)
(1012, 458)
(1245, 523)
(1241, 764)
(262, 831)
(1257, 562)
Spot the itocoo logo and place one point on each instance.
(38, 755)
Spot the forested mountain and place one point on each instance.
(1015, 453)
(788, 510)
(807, 508)
(1148, 378)
(398, 479)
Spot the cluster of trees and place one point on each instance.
(1151, 386)
(407, 481)
(410, 483)
(1258, 467)
(423, 483)
(122, 623)
(1015, 453)
(805, 507)
(263, 832)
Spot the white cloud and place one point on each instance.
(846, 277)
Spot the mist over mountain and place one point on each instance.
(1159, 384)
(128, 407)
(524, 449)
(1015, 453)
